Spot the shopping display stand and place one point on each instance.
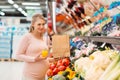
(103, 21)
(5, 43)
(111, 40)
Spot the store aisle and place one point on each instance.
(11, 70)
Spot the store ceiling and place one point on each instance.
(8, 7)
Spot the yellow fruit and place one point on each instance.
(60, 72)
(44, 53)
(71, 75)
(50, 79)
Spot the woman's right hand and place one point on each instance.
(37, 58)
(42, 58)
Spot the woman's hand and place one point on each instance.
(39, 57)
(42, 58)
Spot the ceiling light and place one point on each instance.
(15, 5)
(28, 3)
(8, 10)
(5, 7)
(11, 1)
(32, 8)
(2, 13)
(24, 13)
(20, 9)
(46, 2)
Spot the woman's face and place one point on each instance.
(39, 26)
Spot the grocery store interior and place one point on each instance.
(85, 37)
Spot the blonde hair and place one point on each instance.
(34, 19)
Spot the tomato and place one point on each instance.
(59, 61)
(59, 64)
(49, 72)
(52, 66)
(55, 71)
(61, 68)
(65, 62)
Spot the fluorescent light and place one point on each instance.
(8, 10)
(20, 9)
(16, 6)
(2, 13)
(5, 7)
(30, 3)
(24, 13)
(32, 8)
(45, 2)
(11, 1)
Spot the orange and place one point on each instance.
(44, 53)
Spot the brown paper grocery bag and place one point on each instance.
(60, 46)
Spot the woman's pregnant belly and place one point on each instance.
(37, 69)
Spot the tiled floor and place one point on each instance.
(11, 70)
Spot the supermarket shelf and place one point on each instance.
(111, 40)
(8, 60)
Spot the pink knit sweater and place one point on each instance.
(30, 47)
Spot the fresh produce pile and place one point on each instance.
(100, 65)
(58, 66)
(97, 65)
(113, 70)
(63, 69)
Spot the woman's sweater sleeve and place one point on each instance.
(21, 51)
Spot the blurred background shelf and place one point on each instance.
(111, 40)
